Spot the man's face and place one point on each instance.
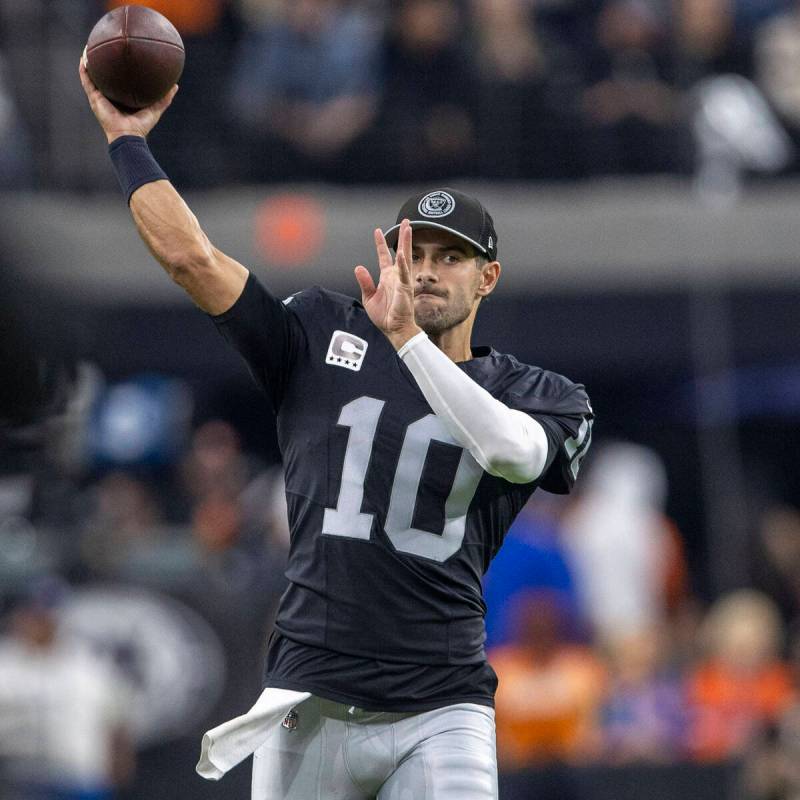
(447, 278)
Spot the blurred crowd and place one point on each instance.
(605, 650)
(605, 653)
(141, 558)
(361, 91)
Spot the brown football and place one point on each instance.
(134, 55)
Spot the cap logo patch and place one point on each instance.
(436, 204)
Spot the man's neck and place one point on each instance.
(455, 342)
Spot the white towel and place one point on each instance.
(229, 744)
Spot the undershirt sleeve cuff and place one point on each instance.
(412, 342)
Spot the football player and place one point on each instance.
(407, 454)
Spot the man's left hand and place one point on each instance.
(390, 304)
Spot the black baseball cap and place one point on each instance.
(449, 210)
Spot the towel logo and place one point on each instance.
(290, 721)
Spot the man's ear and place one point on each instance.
(490, 274)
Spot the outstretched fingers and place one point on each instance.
(385, 260)
(404, 239)
(384, 254)
(365, 282)
(403, 269)
(404, 253)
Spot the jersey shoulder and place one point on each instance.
(561, 406)
(318, 305)
(532, 389)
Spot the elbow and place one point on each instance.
(189, 265)
(514, 463)
(520, 458)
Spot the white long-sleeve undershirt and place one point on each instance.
(507, 443)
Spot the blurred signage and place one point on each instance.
(170, 656)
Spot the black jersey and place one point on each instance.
(392, 522)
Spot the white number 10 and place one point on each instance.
(361, 416)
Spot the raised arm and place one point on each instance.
(166, 224)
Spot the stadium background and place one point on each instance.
(647, 205)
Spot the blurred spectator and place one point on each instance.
(705, 40)
(627, 557)
(224, 559)
(123, 516)
(215, 464)
(645, 716)
(631, 104)
(510, 68)
(221, 520)
(239, 530)
(64, 731)
(777, 561)
(196, 130)
(305, 86)
(772, 768)
(190, 17)
(550, 690)
(777, 67)
(772, 765)
(216, 522)
(528, 84)
(284, 90)
(735, 133)
(228, 529)
(742, 686)
(508, 48)
(265, 519)
(426, 129)
(16, 166)
(228, 564)
(531, 559)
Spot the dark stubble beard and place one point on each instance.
(436, 320)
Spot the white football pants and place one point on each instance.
(338, 752)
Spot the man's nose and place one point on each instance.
(425, 271)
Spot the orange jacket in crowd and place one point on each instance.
(730, 707)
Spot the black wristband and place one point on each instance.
(134, 164)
